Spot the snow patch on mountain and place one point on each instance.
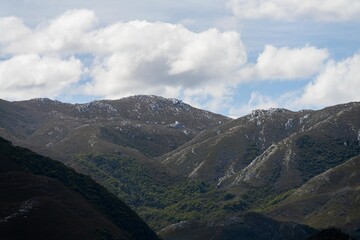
(304, 118)
(92, 141)
(260, 113)
(24, 209)
(46, 101)
(175, 101)
(95, 106)
(186, 132)
(176, 124)
(289, 124)
(193, 151)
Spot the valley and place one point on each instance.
(187, 171)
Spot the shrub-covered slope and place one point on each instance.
(219, 168)
(43, 199)
(275, 147)
(251, 226)
(329, 199)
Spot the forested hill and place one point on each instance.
(43, 199)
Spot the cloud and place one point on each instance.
(285, 63)
(339, 82)
(256, 101)
(214, 96)
(12, 28)
(164, 59)
(140, 57)
(62, 35)
(127, 58)
(161, 58)
(29, 76)
(320, 10)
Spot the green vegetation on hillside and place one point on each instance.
(272, 201)
(252, 151)
(162, 199)
(318, 155)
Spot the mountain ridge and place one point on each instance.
(184, 163)
(146, 125)
(263, 136)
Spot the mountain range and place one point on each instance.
(174, 163)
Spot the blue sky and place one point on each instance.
(229, 56)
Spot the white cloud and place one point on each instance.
(213, 96)
(339, 82)
(59, 36)
(285, 63)
(256, 101)
(161, 58)
(12, 28)
(141, 57)
(321, 10)
(30, 76)
(136, 57)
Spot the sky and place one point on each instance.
(228, 56)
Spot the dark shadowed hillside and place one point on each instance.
(251, 226)
(330, 234)
(43, 199)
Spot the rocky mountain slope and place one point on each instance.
(137, 126)
(173, 163)
(273, 146)
(113, 141)
(43, 199)
(262, 158)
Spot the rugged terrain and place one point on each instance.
(43, 199)
(172, 162)
(138, 126)
(274, 146)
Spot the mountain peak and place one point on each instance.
(164, 124)
(261, 112)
